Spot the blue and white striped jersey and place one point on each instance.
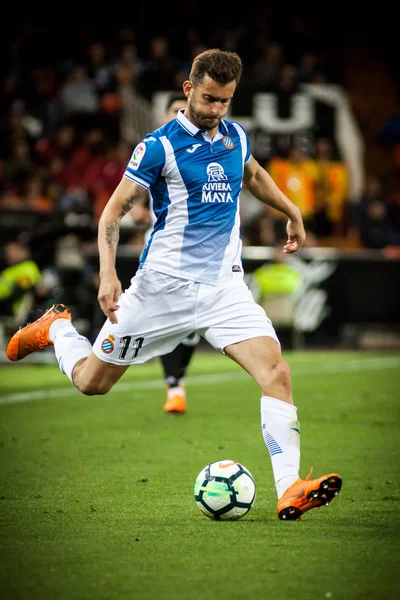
(194, 185)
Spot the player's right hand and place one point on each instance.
(109, 292)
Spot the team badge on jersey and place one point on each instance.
(228, 142)
(107, 346)
(137, 155)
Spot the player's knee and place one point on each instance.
(277, 374)
(93, 387)
(282, 374)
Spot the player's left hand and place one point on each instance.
(296, 237)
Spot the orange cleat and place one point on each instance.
(176, 400)
(303, 495)
(35, 336)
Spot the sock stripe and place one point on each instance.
(271, 443)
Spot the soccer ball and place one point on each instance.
(225, 490)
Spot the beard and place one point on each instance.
(204, 120)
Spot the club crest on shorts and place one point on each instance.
(107, 345)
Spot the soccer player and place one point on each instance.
(190, 277)
(175, 364)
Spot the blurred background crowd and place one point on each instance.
(319, 98)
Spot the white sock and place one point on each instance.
(69, 345)
(281, 433)
(56, 325)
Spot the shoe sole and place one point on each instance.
(328, 490)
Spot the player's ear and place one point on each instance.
(187, 88)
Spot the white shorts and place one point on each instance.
(158, 311)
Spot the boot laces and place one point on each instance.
(309, 475)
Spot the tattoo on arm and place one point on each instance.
(113, 228)
(112, 236)
(131, 201)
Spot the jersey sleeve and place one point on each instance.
(147, 162)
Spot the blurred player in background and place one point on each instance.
(190, 276)
(18, 280)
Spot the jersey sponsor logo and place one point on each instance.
(215, 172)
(193, 148)
(236, 269)
(107, 346)
(217, 188)
(228, 142)
(137, 156)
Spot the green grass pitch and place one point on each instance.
(96, 493)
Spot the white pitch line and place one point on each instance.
(352, 366)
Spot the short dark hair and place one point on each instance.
(222, 66)
(174, 97)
